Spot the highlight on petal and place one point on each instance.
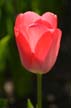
(53, 52)
(26, 18)
(36, 30)
(50, 18)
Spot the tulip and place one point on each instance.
(38, 40)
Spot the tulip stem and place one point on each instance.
(39, 90)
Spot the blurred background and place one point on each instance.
(16, 84)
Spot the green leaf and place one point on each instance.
(4, 40)
(29, 104)
(3, 51)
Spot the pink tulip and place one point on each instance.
(38, 40)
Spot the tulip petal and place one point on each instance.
(26, 19)
(50, 18)
(53, 51)
(24, 50)
(43, 46)
(43, 22)
(36, 30)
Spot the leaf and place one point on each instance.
(3, 51)
(29, 104)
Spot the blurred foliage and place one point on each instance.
(3, 51)
(3, 103)
(9, 59)
(29, 104)
(3, 55)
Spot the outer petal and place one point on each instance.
(50, 18)
(43, 46)
(53, 52)
(36, 31)
(26, 19)
(24, 50)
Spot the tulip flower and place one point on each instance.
(38, 40)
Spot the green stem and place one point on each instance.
(39, 90)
